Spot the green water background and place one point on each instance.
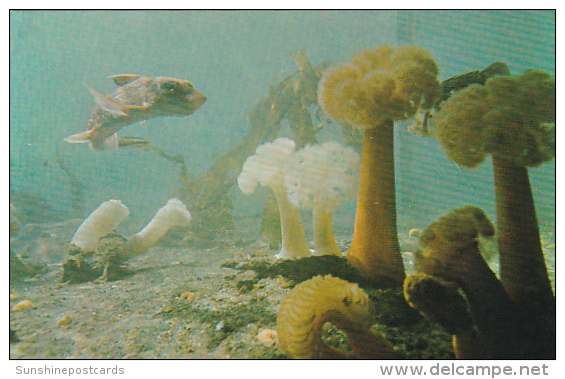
(233, 58)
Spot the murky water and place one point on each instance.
(235, 59)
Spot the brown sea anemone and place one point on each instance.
(513, 119)
(502, 329)
(375, 89)
(442, 303)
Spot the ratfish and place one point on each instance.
(138, 98)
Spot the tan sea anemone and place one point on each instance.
(375, 89)
(327, 299)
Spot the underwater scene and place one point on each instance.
(282, 184)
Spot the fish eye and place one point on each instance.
(346, 301)
(169, 86)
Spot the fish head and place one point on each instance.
(177, 97)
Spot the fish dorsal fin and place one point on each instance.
(122, 79)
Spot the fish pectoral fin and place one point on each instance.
(123, 79)
(113, 106)
(111, 142)
(108, 143)
(82, 137)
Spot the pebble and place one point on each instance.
(188, 296)
(167, 309)
(23, 306)
(267, 336)
(64, 321)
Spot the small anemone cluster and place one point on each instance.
(318, 178)
(112, 212)
(87, 248)
(454, 287)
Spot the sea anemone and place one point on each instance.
(504, 329)
(267, 167)
(100, 222)
(378, 87)
(513, 119)
(441, 302)
(327, 299)
(320, 177)
(102, 259)
(172, 214)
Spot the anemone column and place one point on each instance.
(523, 271)
(375, 249)
(294, 243)
(324, 239)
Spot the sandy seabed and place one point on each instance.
(181, 302)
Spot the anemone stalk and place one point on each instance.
(375, 250)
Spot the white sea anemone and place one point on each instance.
(320, 177)
(172, 214)
(267, 167)
(100, 222)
